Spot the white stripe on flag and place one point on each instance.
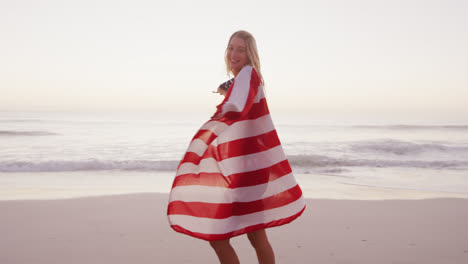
(214, 126)
(260, 95)
(209, 165)
(240, 91)
(197, 146)
(251, 162)
(246, 128)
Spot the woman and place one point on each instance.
(234, 178)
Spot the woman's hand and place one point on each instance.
(221, 91)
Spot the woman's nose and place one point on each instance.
(234, 54)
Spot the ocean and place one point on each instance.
(50, 155)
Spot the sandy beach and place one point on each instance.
(133, 228)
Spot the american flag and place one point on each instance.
(234, 177)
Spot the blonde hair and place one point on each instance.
(252, 52)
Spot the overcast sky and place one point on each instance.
(367, 57)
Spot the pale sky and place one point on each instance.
(367, 57)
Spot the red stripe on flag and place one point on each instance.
(225, 210)
(236, 148)
(245, 146)
(257, 110)
(236, 180)
(213, 237)
(205, 135)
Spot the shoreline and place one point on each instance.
(59, 185)
(133, 228)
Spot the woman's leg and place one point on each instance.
(259, 241)
(225, 252)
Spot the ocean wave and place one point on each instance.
(20, 120)
(301, 163)
(26, 133)
(315, 162)
(413, 127)
(398, 147)
(88, 165)
(379, 127)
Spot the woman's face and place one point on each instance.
(237, 54)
